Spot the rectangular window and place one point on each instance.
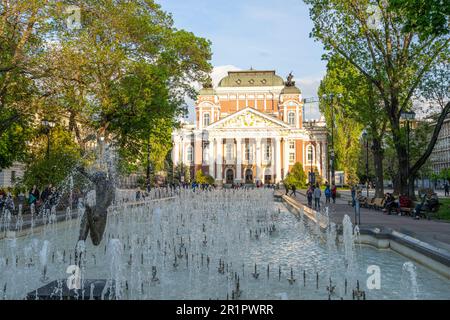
(229, 151)
(13, 176)
(291, 157)
(268, 152)
(247, 152)
(292, 145)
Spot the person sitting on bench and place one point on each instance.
(390, 203)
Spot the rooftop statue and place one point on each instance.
(207, 84)
(289, 82)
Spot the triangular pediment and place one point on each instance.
(248, 118)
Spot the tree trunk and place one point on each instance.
(401, 187)
(411, 188)
(378, 156)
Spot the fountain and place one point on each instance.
(409, 285)
(198, 245)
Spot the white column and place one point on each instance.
(183, 152)
(200, 118)
(286, 157)
(277, 159)
(258, 159)
(176, 151)
(211, 157)
(297, 116)
(317, 156)
(219, 160)
(239, 159)
(285, 119)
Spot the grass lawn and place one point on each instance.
(444, 210)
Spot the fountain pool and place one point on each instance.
(224, 244)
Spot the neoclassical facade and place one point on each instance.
(440, 156)
(250, 129)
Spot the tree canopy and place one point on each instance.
(371, 36)
(123, 75)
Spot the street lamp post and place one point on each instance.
(366, 140)
(48, 125)
(311, 179)
(407, 116)
(148, 165)
(330, 97)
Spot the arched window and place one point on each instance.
(206, 119)
(190, 154)
(291, 118)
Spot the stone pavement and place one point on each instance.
(434, 232)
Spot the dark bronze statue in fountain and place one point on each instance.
(94, 219)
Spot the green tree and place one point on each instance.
(24, 28)
(202, 178)
(424, 16)
(63, 157)
(394, 60)
(181, 173)
(444, 174)
(122, 76)
(296, 176)
(358, 107)
(138, 68)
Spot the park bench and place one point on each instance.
(362, 201)
(370, 203)
(378, 203)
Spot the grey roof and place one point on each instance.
(251, 78)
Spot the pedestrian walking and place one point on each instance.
(353, 191)
(2, 201)
(33, 196)
(20, 202)
(309, 195)
(327, 193)
(9, 203)
(333, 192)
(446, 189)
(317, 195)
(53, 199)
(294, 189)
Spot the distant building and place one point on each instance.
(9, 176)
(249, 129)
(440, 156)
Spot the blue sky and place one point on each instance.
(263, 34)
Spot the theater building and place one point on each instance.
(250, 129)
